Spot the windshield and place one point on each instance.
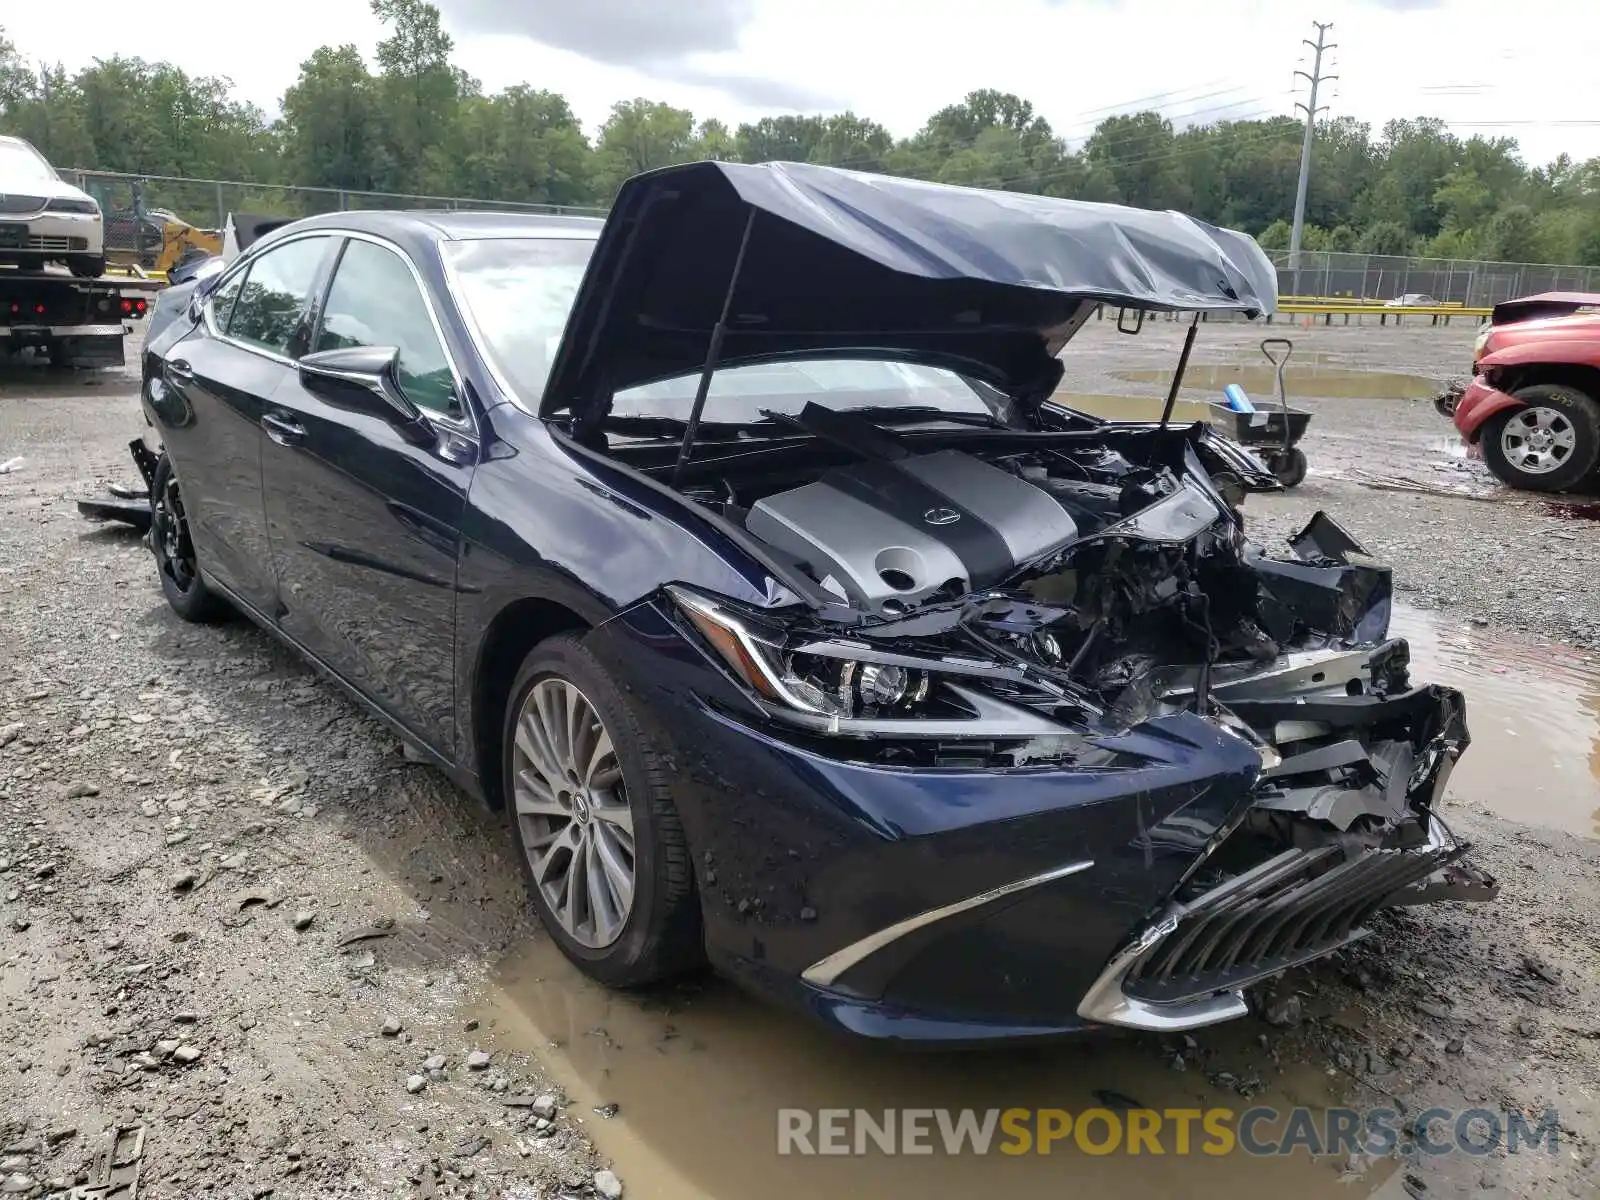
(19, 162)
(740, 394)
(518, 292)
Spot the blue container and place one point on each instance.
(1237, 400)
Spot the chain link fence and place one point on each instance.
(1381, 277)
(128, 202)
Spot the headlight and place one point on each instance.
(67, 205)
(843, 687)
(1481, 341)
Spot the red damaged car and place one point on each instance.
(1533, 404)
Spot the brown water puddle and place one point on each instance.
(1299, 379)
(699, 1079)
(1534, 715)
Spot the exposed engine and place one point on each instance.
(889, 535)
(1116, 589)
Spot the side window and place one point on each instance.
(375, 301)
(270, 305)
(222, 301)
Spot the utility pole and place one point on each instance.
(1316, 78)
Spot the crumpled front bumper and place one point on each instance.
(1190, 968)
(1477, 404)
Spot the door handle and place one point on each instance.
(282, 430)
(179, 369)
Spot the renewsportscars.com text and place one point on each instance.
(1212, 1131)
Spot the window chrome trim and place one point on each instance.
(467, 426)
(243, 266)
(826, 971)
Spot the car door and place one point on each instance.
(364, 523)
(220, 377)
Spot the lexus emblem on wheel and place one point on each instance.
(941, 516)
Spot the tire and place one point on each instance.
(176, 563)
(87, 266)
(1570, 423)
(660, 934)
(1289, 466)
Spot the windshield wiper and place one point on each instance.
(877, 413)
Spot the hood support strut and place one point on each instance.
(1183, 365)
(713, 352)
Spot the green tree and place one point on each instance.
(1275, 236)
(1385, 237)
(1138, 151)
(780, 139)
(421, 94)
(1510, 235)
(641, 135)
(523, 144)
(331, 121)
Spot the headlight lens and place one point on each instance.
(66, 204)
(1481, 341)
(846, 688)
(809, 683)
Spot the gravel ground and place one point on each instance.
(233, 917)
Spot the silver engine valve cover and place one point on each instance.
(887, 535)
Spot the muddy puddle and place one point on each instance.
(699, 1078)
(1534, 715)
(1307, 379)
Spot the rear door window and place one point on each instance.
(269, 312)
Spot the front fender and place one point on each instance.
(1477, 404)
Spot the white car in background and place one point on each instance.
(45, 219)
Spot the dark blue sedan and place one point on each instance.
(745, 550)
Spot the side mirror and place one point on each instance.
(364, 379)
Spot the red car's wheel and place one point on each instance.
(1550, 444)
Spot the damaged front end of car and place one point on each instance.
(1044, 739)
(1158, 605)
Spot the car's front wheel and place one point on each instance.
(87, 266)
(1550, 444)
(176, 563)
(602, 849)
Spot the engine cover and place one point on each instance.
(887, 535)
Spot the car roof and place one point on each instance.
(452, 225)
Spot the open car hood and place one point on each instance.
(987, 283)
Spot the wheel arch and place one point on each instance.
(1580, 376)
(515, 630)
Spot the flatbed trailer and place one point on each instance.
(76, 322)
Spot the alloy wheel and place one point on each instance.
(170, 531)
(1537, 440)
(572, 804)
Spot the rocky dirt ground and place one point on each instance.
(241, 937)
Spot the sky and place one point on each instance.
(896, 61)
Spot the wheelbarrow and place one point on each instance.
(1271, 435)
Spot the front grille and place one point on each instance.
(10, 202)
(56, 245)
(1297, 906)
